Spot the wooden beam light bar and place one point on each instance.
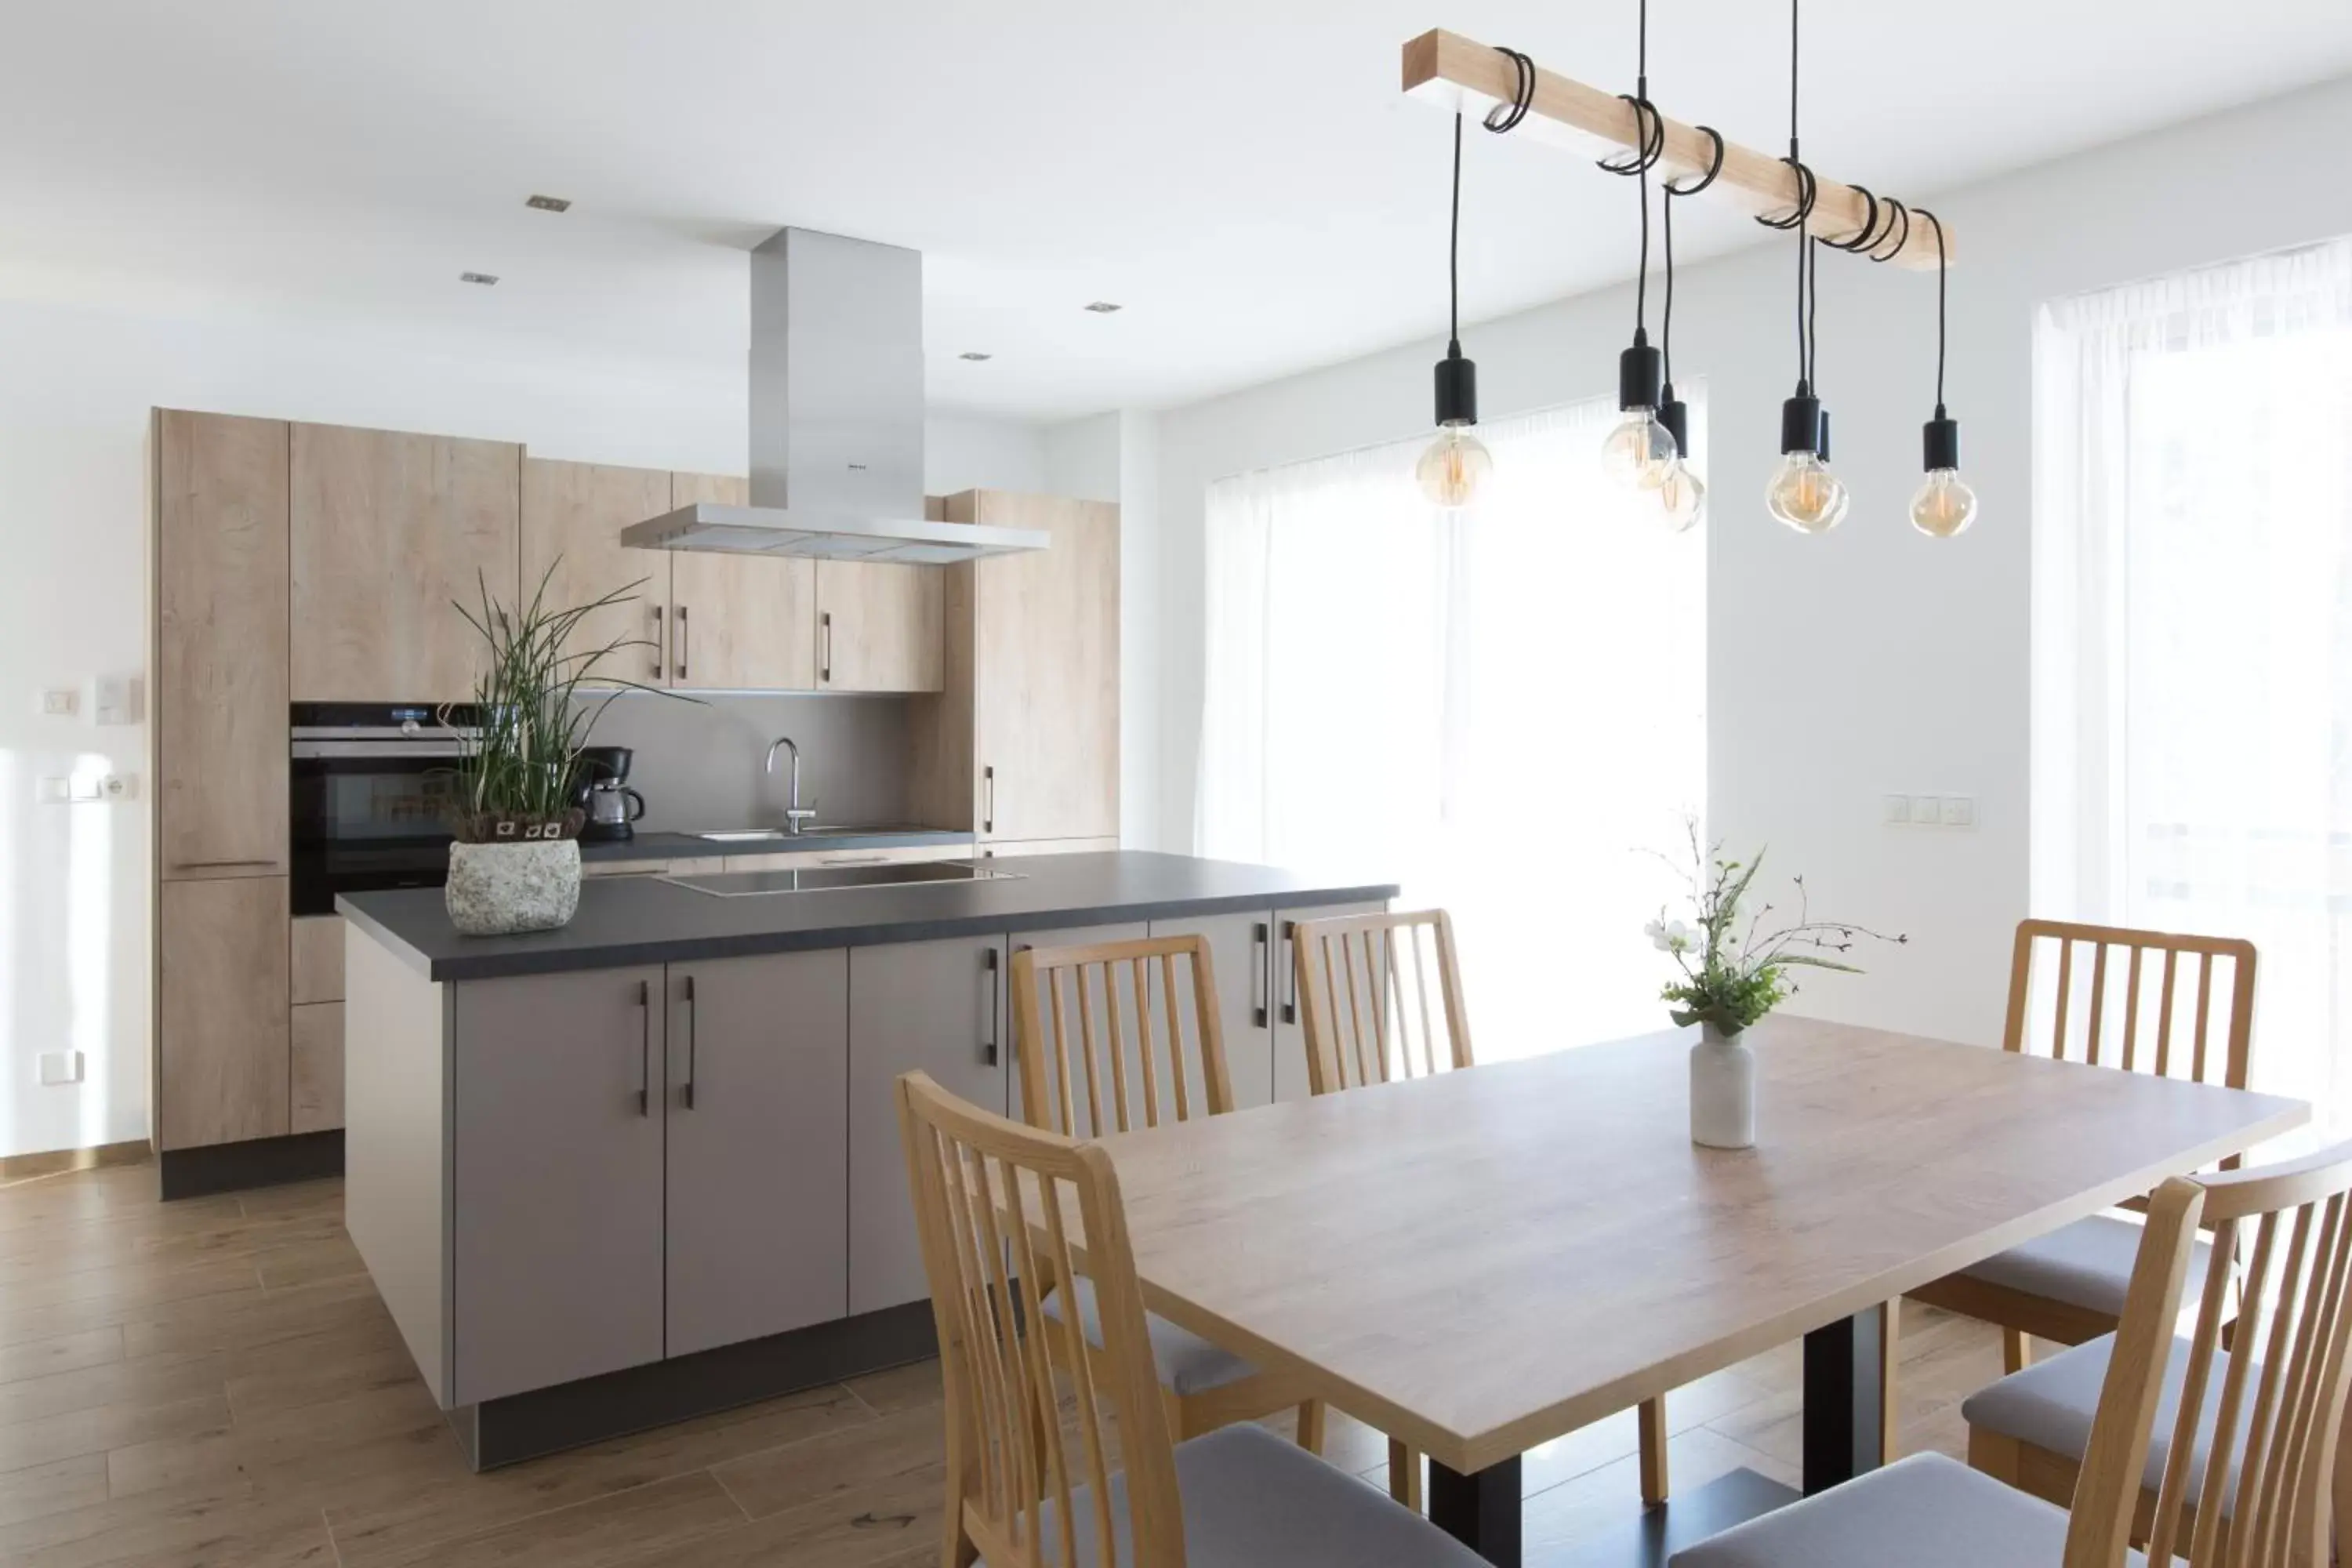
(1454, 73)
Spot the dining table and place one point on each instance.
(1480, 1261)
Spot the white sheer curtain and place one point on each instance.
(1505, 709)
(2192, 631)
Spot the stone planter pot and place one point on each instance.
(1722, 1090)
(499, 890)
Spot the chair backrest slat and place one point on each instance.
(1353, 998)
(1154, 1067)
(2268, 1421)
(994, 1202)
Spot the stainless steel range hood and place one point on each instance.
(836, 417)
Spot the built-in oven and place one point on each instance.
(373, 784)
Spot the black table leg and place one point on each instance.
(1845, 1373)
(1481, 1510)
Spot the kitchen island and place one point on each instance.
(648, 1166)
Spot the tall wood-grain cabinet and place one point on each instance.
(571, 522)
(220, 573)
(390, 530)
(1022, 745)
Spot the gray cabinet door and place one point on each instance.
(556, 1169)
(1290, 1080)
(1076, 936)
(759, 1155)
(1241, 947)
(939, 1007)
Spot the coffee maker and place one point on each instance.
(600, 789)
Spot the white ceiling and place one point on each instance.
(1244, 178)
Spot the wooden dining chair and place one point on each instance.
(1364, 997)
(1118, 1036)
(1029, 1481)
(1932, 1511)
(2140, 1001)
(2263, 1495)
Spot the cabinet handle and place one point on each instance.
(645, 1047)
(684, 642)
(1260, 939)
(691, 1031)
(988, 800)
(853, 859)
(824, 625)
(995, 999)
(657, 642)
(216, 865)
(1289, 973)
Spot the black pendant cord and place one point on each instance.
(1673, 191)
(1942, 273)
(1453, 252)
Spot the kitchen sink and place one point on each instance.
(836, 830)
(826, 879)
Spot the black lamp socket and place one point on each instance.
(1457, 389)
(1803, 426)
(1940, 441)
(1640, 371)
(1676, 416)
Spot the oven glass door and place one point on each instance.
(377, 819)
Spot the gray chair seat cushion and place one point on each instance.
(2086, 1264)
(1926, 1512)
(1187, 1362)
(2050, 1405)
(1252, 1500)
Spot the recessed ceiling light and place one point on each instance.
(484, 279)
(1103, 307)
(975, 355)
(550, 203)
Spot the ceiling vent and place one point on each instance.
(550, 204)
(484, 279)
(1105, 308)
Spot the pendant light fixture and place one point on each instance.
(1457, 462)
(1681, 493)
(1637, 450)
(1944, 505)
(1802, 492)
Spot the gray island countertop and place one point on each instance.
(632, 921)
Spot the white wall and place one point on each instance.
(74, 921)
(1872, 661)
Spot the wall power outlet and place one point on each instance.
(60, 1066)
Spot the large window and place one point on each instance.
(2192, 603)
(1504, 708)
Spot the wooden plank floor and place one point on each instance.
(213, 1382)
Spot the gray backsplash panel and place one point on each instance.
(699, 763)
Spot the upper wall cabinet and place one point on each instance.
(1041, 637)
(388, 531)
(572, 514)
(220, 596)
(880, 627)
(738, 622)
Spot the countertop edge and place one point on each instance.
(510, 964)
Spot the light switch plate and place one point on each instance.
(1897, 808)
(1960, 811)
(1927, 810)
(59, 704)
(60, 1066)
(110, 700)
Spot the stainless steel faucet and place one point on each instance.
(793, 813)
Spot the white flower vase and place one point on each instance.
(1722, 1090)
(499, 889)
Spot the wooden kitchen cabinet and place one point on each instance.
(934, 1005)
(556, 1166)
(572, 514)
(758, 1148)
(315, 1067)
(222, 1008)
(1241, 951)
(221, 581)
(318, 959)
(1024, 744)
(387, 530)
(738, 623)
(879, 627)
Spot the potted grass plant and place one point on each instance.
(1735, 971)
(515, 865)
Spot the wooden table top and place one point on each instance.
(1480, 1262)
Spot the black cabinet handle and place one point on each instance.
(825, 623)
(645, 1047)
(988, 800)
(691, 1031)
(995, 1004)
(1260, 981)
(1290, 972)
(684, 642)
(657, 642)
